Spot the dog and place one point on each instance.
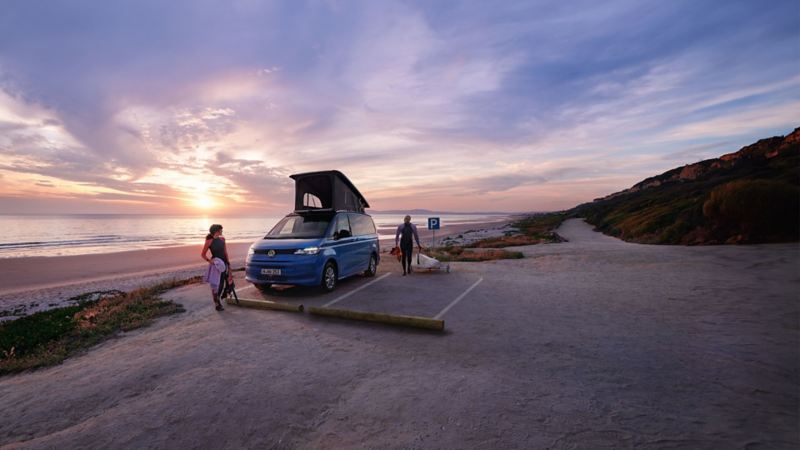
(398, 253)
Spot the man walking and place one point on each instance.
(404, 235)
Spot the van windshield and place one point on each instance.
(294, 227)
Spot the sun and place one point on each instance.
(203, 202)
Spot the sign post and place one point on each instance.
(433, 224)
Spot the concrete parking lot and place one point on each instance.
(424, 293)
(594, 343)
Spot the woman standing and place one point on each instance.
(219, 265)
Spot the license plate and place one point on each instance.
(270, 271)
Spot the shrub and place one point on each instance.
(48, 337)
(27, 335)
(761, 210)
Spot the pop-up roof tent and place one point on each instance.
(328, 190)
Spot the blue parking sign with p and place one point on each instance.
(433, 223)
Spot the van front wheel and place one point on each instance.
(329, 277)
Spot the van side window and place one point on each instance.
(342, 224)
(362, 225)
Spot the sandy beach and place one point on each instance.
(37, 283)
(589, 344)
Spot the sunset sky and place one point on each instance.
(192, 106)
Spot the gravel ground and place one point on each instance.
(594, 343)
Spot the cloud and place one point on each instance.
(192, 98)
(506, 182)
(699, 152)
(255, 180)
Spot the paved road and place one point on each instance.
(594, 343)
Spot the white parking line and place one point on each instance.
(245, 288)
(354, 291)
(458, 299)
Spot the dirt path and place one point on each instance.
(594, 343)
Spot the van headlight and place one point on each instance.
(307, 251)
(251, 251)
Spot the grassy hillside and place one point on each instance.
(749, 196)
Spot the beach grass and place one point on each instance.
(457, 253)
(49, 337)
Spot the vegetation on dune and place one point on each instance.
(457, 253)
(653, 219)
(530, 230)
(754, 208)
(533, 229)
(749, 196)
(49, 337)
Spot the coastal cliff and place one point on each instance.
(748, 196)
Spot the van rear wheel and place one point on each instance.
(329, 277)
(372, 268)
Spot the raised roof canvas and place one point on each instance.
(326, 190)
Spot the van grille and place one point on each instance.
(282, 251)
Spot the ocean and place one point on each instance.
(78, 234)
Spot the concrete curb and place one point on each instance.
(405, 321)
(264, 304)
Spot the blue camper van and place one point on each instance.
(328, 237)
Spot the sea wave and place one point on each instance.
(59, 235)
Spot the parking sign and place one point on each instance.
(433, 223)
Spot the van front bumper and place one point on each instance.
(303, 272)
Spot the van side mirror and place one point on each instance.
(341, 234)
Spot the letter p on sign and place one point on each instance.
(433, 223)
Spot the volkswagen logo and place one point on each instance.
(271, 253)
